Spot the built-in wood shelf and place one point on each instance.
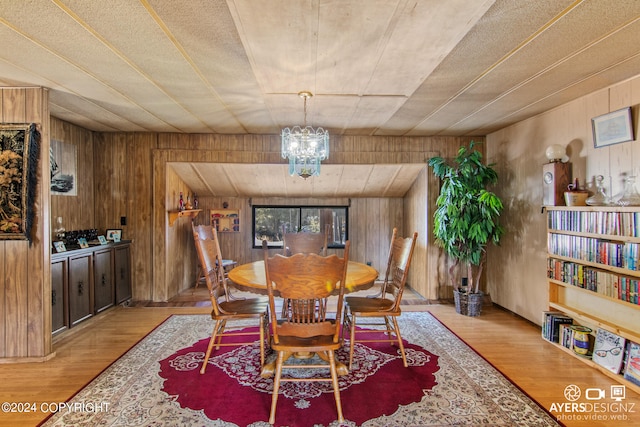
(191, 213)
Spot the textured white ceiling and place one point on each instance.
(376, 67)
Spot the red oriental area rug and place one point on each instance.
(233, 389)
(158, 383)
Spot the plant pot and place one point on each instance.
(468, 304)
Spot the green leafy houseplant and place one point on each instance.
(466, 218)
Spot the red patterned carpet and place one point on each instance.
(446, 384)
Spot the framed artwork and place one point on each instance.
(19, 154)
(63, 168)
(59, 246)
(612, 128)
(102, 240)
(114, 234)
(83, 243)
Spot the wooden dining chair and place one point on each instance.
(306, 281)
(207, 232)
(226, 310)
(305, 243)
(382, 309)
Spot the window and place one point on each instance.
(270, 222)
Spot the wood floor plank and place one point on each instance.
(512, 344)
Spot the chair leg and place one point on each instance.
(352, 339)
(336, 387)
(212, 341)
(276, 387)
(261, 342)
(223, 324)
(397, 329)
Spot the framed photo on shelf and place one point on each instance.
(83, 243)
(612, 128)
(102, 240)
(114, 234)
(59, 246)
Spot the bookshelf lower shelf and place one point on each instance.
(617, 377)
(595, 321)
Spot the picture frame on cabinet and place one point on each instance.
(59, 246)
(114, 234)
(102, 240)
(83, 243)
(612, 128)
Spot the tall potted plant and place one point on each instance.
(466, 220)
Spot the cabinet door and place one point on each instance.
(80, 298)
(122, 273)
(103, 289)
(59, 321)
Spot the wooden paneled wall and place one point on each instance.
(25, 288)
(77, 212)
(367, 216)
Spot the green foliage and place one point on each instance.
(466, 218)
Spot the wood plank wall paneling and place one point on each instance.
(265, 149)
(25, 312)
(77, 212)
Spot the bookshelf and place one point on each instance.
(593, 273)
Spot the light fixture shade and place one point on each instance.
(556, 153)
(305, 147)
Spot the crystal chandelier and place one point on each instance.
(304, 146)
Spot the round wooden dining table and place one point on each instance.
(251, 277)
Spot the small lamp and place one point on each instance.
(556, 153)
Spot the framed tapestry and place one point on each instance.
(19, 152)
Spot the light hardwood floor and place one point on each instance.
(511, 344)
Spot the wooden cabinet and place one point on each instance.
(122, 271)
(85, 282)
(593, 271)
(103, 288)
(59, 321)
(79, 288)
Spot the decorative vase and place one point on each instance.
(630, 196)
(581, 341)
(600, 197)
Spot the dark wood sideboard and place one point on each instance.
(85, 282)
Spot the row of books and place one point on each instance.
(612, 223)
(601, 251)
(613, 285)
(611, 351)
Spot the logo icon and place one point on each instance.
(572, 392)
(595, 394)
(618, 392)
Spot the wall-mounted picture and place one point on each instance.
(114, 235)
(19, 152)
(612, 128)
(59, 246)
(83, 243)
(63, 168)
(102, 240)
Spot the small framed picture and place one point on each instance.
(102, 240)
(83, 242)
(60, 247)
(612, 128)
(114, 234)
